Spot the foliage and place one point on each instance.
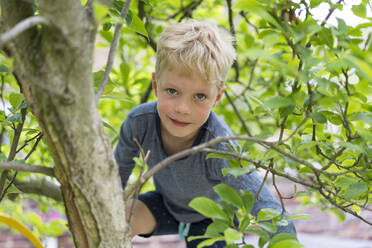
(232, 218)
(301, 84)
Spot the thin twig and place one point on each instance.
(187, 10)
(27, 141)
(11, 181)
(22, 26)
(34, 146)
(111, 56)
(263, 181)
(140, 183)
(236, 110)
(13, 148)
(279, 194)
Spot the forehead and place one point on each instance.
(184, 78)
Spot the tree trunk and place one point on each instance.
(53, 64)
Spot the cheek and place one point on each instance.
(203, 113)
(163, 105)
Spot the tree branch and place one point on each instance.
(263, 181)
(27, 168)
(110, 59)
(40, 187)
(320, 189)
(164, 163)
(187, 10)
(246, 129)
(21, 27)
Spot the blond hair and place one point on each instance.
(196, 47)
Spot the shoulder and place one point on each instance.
(139, 118)
(145, 109)
(216, 126)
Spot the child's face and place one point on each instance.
(184, 103)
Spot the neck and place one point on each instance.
(172, 144)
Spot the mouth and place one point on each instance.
(179, 123)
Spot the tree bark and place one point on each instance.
(54, 67)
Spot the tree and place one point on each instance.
(53, 65)
(298, 96)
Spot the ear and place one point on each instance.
(154, 85)
(219, 96)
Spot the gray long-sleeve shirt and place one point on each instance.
(186, 178)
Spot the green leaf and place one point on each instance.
(262, 234)
(14, 118)
(210, 242)
(341, 26)
(279, 102)
(191, 238)
(362, 116)
(360, 10)
(236, 172)
(34, 219)
(280, 237)
(332, 117)
(352, 147)
(107, 26)
(208, 208)
(338, 213)
(262, 242)
(361, 65)
(3, 68)
(228, 194)
(235, 164)
(287, 244)
(326, 37)
(100, 10)
(248, 201)
(244, 223)
(299, 217)
(137, 25)
(315, 3)
(106, 124)
(247, 246)
(14, 190)
(305, 170)
(352, 188)
(306, 145)
(15, 100)
(216, 155)
(355, 190)
(216, 228)
(267, 214)
(125, 70)
(365, 134)
(318, 117)
(2, 116)
(232, 235)
(270, 227)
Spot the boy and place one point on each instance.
(192, 61)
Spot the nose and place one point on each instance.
(183, 107)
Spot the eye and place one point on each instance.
(200, 96)
(171, 91)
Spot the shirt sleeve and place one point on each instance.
(125, 150)
(250, 182)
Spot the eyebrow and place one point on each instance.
(204, 91)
